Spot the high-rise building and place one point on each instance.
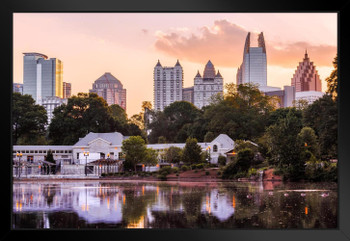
(188, 94)
(67, 90)
(306, 77)
(111, 89)
(254, 66)
(50, 103)
(18, 88)
(42, 77)
(168, 82)
(207, 86)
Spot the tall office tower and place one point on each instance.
(207, 86)
(42, 77)
(50, 103)
(168, 82)
(110, 89)
(188, 94)
(254, 66)
(67, 90)
(18, 88)
(306, 77)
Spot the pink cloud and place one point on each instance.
(224, 41)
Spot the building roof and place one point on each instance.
(36, 54)
(115, 138)
(158, 63)
(225, 141)
(198, 75)
(209, 70)
(177, 63)
(108, 78)
(218, 75)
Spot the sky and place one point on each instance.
(128, 45)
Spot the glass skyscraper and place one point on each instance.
(254, 67)
(42, 77)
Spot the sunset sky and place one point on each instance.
(128, 45)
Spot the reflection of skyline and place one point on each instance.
(144, 205)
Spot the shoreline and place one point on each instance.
(152, 179)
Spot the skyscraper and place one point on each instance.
(168, 82)
(42, 77)
(110, 89)
(254, 66)
(67, 90)
(205, 87)
(306, 77)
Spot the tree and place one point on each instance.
(49, 157)
(135, 150)
(242, 113)
(332, 80)
(174, 122)
(83, 113)
(150, 158)
(284, 147)
(173, 154)
(28, 120)
(308, 140)
(322, 117)
(209, 136)
(241, 164)
(192, 151)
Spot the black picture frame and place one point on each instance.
(341, 7)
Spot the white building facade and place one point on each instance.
(207, 86)
(309, 96)
(168, 83)
(101, 145)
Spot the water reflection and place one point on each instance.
(174, 205)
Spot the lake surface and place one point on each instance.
(140, 204)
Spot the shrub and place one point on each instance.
(222, 160)
(175, 169)
(162, 177)
(184, 168)
(207, 173)
(251, 172)
(166, 169)
(200, 166)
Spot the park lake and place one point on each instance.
(92, 204)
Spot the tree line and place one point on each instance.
(291, 139)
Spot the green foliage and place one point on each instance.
(28, 121)
(222, 160)
(150, 157)
(209, 136)
(173, 155)
(240, 166)
(49, 157)
(135, 150)
(192, 151)
(86, 113)
(322, 117)
(184, 168)
(332, 80)
(308, 140)
(171, 123)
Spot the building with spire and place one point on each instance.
(254, 66)
(207, 86)
(306, 81)
(168, 83)
(111, 89)
(306, 77)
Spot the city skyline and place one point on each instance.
(90, 44)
